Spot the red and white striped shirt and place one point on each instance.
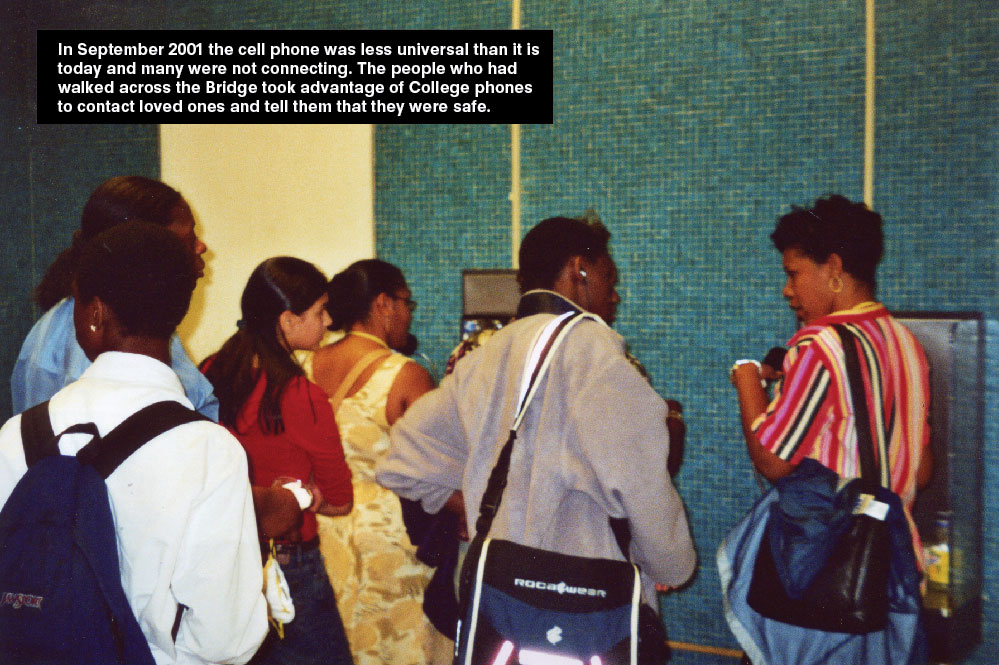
(811, 414)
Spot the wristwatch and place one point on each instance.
(748, 361)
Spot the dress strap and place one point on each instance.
(366, 361)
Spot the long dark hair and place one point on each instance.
(117, 200)
(277, 285)
(353, 290)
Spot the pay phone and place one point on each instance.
(488, 299)
(948, 512)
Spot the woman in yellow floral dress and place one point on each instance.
(371, 562)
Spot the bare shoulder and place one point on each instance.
(331, 363)
(412, 381)
(330, 354)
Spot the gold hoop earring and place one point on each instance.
(835, 283)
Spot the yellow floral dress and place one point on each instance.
(371, 562)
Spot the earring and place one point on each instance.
(835, 283)
(93, 328)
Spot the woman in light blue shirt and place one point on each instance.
(50, 357)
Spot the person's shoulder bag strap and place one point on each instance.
(37, 437)
(106, 453)
(538, 361)
(870, 469)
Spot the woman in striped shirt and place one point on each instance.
(830, 254)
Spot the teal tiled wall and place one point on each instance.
(47, 171)
(690, 127)
(437, 190)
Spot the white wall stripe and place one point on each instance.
(869, 88)
(515, 170)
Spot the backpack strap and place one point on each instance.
(107, 452)
(37, 437)
(871, 471)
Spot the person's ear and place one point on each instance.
(835, 265)
(287, 322)
(577, 270)
(105, 330)
(382, 303)
(85, 320)
(99, 315)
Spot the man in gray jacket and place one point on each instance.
(593, 444)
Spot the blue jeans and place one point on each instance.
(316, 633)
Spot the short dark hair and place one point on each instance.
(116, 200)
(835, 225)
(354, 289)
(552, 243)
(128, 198)
(143, 272)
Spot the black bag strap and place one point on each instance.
(105, 453)
(493, 494)
(37, 437)
(870, 470)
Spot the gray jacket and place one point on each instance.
(592, 445)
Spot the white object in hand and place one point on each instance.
(303, 495)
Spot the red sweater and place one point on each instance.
(309, 445)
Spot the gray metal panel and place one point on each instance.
(489, 293)
(954, 345)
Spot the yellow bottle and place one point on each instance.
(938, 595)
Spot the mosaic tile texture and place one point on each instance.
(689, 127)
(47, 171)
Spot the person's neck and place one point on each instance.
(548, 301)
(363, 333)
(157, 349)
(850, 298)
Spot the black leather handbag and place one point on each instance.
(849, 592)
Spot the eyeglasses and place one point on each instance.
(410, 303)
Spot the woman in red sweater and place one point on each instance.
(286, 426)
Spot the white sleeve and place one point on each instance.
(12, 464)
(219, 575)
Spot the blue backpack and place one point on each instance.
(61, 599)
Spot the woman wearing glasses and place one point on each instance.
(372, 564)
